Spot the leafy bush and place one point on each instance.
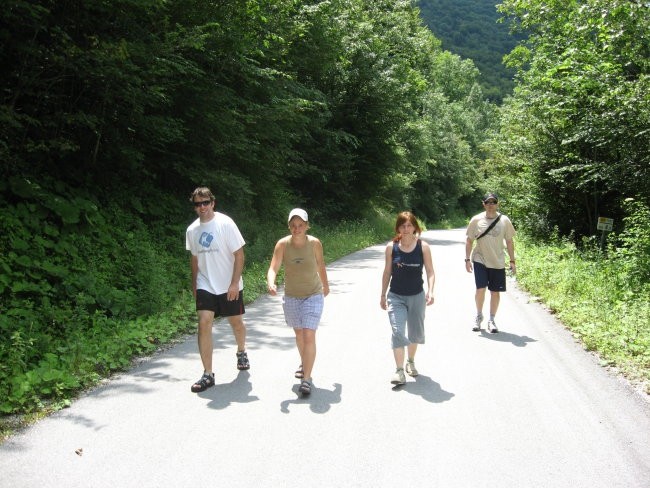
(595, 298)
(71, 277)
(633, 252)
(81, 359)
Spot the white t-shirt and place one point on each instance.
(489, 250)
(214, 243)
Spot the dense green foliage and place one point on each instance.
(333, 103)
(113, 112)
(604, 300)
(574, 139)
(573, 146)
(473, 30)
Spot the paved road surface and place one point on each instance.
(524, 408)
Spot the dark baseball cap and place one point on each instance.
(490, 196)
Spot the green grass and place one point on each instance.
(595, 299)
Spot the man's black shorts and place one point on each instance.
(490, 278)
(219, 304)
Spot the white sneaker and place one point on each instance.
(411, 369)
(492, 327)
(477, 323)
(398, 378)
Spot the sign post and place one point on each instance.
(606, 225)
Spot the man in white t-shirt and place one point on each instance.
(486, 233)
(217, 263)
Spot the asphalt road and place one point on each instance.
(527, 407)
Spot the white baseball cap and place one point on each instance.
(298, 212)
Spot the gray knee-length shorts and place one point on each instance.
(406, 315)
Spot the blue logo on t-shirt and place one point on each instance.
(206, 239)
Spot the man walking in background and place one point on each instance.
(217, 263)
(489, 230)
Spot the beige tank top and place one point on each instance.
(300, 270)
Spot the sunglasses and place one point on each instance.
(204, 203)
(490, 202)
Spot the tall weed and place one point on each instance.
(595, 298)
(633, 246)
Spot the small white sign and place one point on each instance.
(605, 223)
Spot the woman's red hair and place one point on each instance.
(402, 218)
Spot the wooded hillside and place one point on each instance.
(471, 29)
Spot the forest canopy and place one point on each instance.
(575, 137)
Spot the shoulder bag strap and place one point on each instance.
(490, 227)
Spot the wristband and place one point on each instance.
(467, 260)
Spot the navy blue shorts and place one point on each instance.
(219, 304)
(490, 278)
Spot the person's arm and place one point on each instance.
(431, 275)
(468, 254)
(320, 263)
(385, 278)
(510, 246)
(276, 262)
(194, 266)
(237, 270)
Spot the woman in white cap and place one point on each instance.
(305, 286)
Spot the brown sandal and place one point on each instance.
(299, 373)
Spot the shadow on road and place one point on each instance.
(364, 259)
(224, 395)
(514, 339)
(320, 400)
(263, 320)
(441, 242)
(425, 387)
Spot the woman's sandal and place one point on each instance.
(299, 373)
(242, 361)
(205, 382)
(305, 388)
